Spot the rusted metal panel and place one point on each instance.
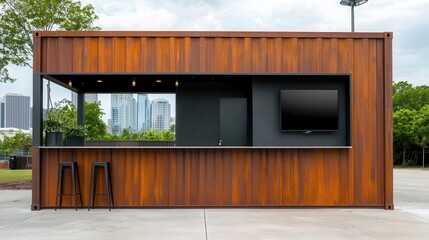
(180, 177)
(169, 53)
(360, 176)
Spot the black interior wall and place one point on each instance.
(197, 108)
(266, 110)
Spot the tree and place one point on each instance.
(156, 135)
(173, 128)
(18, 18)
(409, 97)
(404, 128)
(95, 128)
(410, 109)
(422, 129)
(20, 141)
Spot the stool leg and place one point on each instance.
(74, 186)
(58, 185)
(91, 183)
(110, 186)
(107, 184)
(78, 185)
(94, 189)
(61, 186)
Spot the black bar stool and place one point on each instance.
(93, 183)
(74, 176)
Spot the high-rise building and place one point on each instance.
(89, 97)
(123, 113)
(143, 113)
(109, 125)
(161, 114)
(133, 116)
(1, 113)
(15, 111)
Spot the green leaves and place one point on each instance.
(422, 127)
(20, 140)
(156, 135)
(95, 128)
(404, 122)
(405, 96)
(18, 18)
(74, 130)
(410, 116)
(64, 116)
(150, 135)
(54, 120)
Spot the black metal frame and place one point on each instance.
(93, 184)
(75, 175)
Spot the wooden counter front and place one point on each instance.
(214, 177)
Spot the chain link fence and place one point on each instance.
(4, 156)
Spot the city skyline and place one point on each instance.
(138, 115)
(106, 118)
(15, 111)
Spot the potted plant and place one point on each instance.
(75, 135)
(53, 125)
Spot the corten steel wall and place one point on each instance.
(360, 176)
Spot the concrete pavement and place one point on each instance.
(409, 220)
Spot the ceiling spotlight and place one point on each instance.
(99, 81)
(177, 83)
(134, 82)
(158, 81)
(70, 83)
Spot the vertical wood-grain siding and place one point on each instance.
(360, 176)
(204, 55)
(179, 177)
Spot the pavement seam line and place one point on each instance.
(19, 221)
(205, 223)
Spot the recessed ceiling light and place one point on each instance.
(99, 81)
(158, 81)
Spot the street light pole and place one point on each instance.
(353, 17)
(352, 4)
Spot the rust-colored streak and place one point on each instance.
(37, 54)
(65, 62)
(360, 176)
(208, 177)
(388, 129)
(157, 53)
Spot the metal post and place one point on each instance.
(81, 108)
(423, 158)
(353, 17)
(37, 109)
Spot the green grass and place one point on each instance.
(7, 175)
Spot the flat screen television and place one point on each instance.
(309, 110)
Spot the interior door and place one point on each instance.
(233, 122)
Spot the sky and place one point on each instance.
(408, 20)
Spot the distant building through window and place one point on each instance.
(161, 114)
